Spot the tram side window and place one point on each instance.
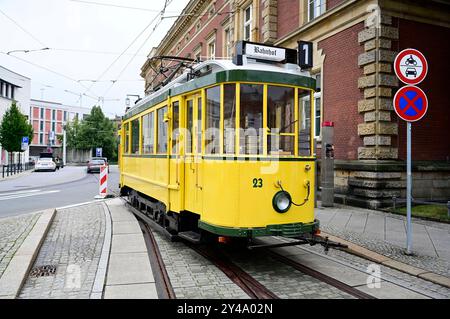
(212, 136)
(127, 138)
(280, 120)
(251, 118)
(175, 127)
(304, 127)
(162, 131)
(189, 125)
(135, 136)
(199, 125)
(148, 124)
(229, 118)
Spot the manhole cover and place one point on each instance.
(42, 271)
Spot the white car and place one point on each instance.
(45, 164)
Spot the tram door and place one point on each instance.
(193, 150)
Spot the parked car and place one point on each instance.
(102, 158)
(45, 164)
(93, 165)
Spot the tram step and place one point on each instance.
(191, 236)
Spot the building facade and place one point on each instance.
(14, 87)
(354, 46)
(48, 120)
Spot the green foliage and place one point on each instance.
(13, 127)
(94, 131)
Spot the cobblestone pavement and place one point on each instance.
(73, 244)
(13, 231)
(382, 247)
(283, 280)
(194, 277)
(392, 275)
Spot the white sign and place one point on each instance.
(51, 136)
(410, 66)
(263, 52)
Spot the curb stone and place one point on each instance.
(386, 261)
(20, 265)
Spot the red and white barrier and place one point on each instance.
(103, 182)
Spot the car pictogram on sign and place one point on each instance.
(410, 66)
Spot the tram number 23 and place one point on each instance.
(257, 183)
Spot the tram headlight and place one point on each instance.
(282, 201)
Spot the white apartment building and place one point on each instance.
(14, 87)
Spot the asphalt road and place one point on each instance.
(42, 190)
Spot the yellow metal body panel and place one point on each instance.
(222, 192)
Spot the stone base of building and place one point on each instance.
(374, 184)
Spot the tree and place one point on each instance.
(94, 131)
(13, 127)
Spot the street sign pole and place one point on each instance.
(408, 189)
(410, 104)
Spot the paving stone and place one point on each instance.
(73, 244)
(13, 231)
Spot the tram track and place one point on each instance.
(162, 279)
(320, 276)
(223, 261)
(252, 287)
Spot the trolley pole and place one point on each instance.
(408, 189)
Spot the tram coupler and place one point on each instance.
(303, 240)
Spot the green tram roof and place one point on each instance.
(225, 71)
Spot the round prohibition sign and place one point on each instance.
(410, 66)
(410, 103)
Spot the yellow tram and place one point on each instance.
(226, 149)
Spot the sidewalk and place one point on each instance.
(95, 250)
(385, 234)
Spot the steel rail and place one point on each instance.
(320, 276)
(246, 282)
(162, 280)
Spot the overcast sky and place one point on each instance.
(84, 40)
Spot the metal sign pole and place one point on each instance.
(408, 188)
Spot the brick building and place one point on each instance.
(355, 43)
(47, 117)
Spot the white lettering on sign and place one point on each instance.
(265, 52)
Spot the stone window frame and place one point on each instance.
(227, 48)
(323, 9)
(197, 51)
(209, 44)
(209, 40)
(246, 6)
(317, 95)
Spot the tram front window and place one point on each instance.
(280, 120)
(251, 119)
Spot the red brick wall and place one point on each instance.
(59, 115)
(340, 91)
(288, 16)
(35, 138)
(48, 114)
(197, 37)
(333, 3)
(430, 136)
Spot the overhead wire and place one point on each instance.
(166, 3)
(114, 5)
(126, 49)
(22, 28)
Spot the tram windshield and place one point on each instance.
(287, 124)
